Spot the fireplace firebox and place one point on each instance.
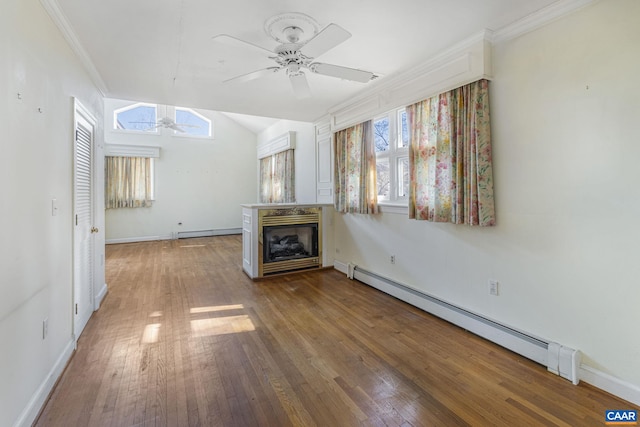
(289, 240)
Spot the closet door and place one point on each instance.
(84, 229)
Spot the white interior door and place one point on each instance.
(84, 229)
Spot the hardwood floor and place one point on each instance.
(185, 338)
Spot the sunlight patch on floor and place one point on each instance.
(221, 326)
(151, 333)
(211, 309)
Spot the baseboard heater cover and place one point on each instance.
(558, 359)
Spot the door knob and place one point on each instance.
(94, 229)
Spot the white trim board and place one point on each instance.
(623, 389)
(99, 296)
(126, 150)
(137, 239)
(284, 142)
(176, 235)
(39, 398)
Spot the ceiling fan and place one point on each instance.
(300, 43)
(169, 123)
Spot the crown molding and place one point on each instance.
(539, 19)
(60, 20)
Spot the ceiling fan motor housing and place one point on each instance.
(290, 57)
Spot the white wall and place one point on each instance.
(565, 120)
(36, 165)
(198, 182)
(304, 156)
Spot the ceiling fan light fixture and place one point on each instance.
(293, 34)
(293, 68)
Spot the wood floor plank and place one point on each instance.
(185, 338)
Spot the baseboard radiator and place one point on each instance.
(558, 359)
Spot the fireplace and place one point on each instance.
(289, 240)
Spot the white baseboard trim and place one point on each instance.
(177, 235)
(39, 398)
(137, 239)
(492, 332)
(97, 301)
(341, 267)
(610, 384)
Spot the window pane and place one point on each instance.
(136, 117)
(381, 134)
(191, 123)
(403, 177)
(403, 140)
(382, 170)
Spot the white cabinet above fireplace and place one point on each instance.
(281, 238)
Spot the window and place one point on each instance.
(391, 140)
(128, 182)
(191, 123)
(136, 117)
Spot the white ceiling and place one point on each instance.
(162, 51)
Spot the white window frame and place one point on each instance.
(195, 113)
(152, 131)
(393, 155)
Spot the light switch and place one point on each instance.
(54, 207)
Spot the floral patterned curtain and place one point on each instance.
(450, 157)
(355, 170)
(128, 182)
(277, 178)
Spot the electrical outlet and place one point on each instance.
(392, 259)
(45, 328)
(493, 287)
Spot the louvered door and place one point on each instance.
(83, 222)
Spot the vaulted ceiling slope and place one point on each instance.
(165, 51)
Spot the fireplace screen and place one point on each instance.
(287, 242)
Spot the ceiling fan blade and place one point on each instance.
(330, 36)
(342, 72)
(228, 40)
(253, 75)
(176, 128)
(300, 85)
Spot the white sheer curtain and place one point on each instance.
(128, 182)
